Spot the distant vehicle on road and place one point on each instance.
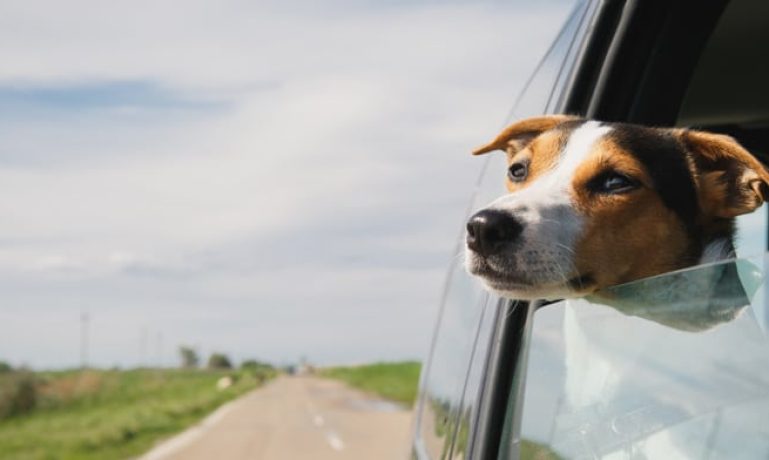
(500, 382)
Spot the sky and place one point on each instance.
(270, 180)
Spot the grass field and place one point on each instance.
(394, 381)
(112, 414)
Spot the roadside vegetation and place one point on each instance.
(110, 414)
(395, 381)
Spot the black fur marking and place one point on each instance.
(665, 159)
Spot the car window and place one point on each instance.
(675, 366)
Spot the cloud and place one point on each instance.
(259, 179)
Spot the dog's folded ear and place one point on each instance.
(730, 180)
(520, 133)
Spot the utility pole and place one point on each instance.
(143, 348)
(84, 319)
(159, 350)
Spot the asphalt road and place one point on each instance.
(296, 418)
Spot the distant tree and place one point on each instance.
(219, 361)
(5, 367)
(254, 365)
(190, 358)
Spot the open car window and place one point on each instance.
(674, 366)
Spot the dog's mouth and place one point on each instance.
(581, 283)
(499, 279)
(520, 283)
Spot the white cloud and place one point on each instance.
(316, 200)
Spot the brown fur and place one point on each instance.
(627, 236)
(731, 182)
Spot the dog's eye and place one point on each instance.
(517, 172)
(613, 182)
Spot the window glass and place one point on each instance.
(752, 233)
(440, 401)
(537, 92)
(469, 408)
(674, 366)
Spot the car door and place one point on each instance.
(627, 380)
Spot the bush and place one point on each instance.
(254, 365)
(219, 361)
(18, 394)
(258, 370)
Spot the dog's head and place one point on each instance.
(592, 204)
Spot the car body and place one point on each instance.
(499, 381)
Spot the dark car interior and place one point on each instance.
(728, 91)
(670, 67)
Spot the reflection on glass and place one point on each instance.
(752, 233)
(693, 299)
(441, 391)
(677, 367)
(468, 410)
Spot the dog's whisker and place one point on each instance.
(561, 272)
(563, 246)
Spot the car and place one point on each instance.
(499, 380)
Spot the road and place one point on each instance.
(296, 418)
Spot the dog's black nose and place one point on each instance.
(488, 231)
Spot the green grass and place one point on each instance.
(531, 450)
(394, 381)
(113, 414)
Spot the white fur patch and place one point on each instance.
(579, 146)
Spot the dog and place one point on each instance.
(594, 204)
